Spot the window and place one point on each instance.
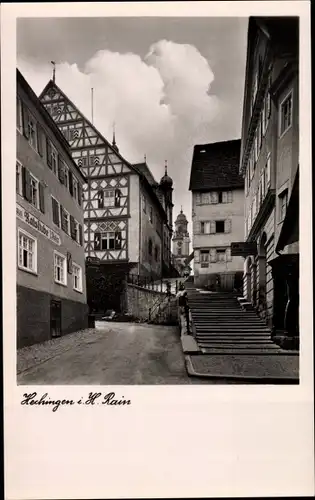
(77, 277)
(198, 198)
(32, 132)
(268, 172)
(205, 198)
(107, 241)
(66, 175)
(75, 188)
(19, 178)
(34, 191)
(150, 246)
(205, 227)
(60, 271)
(76, 229)
(106, 198)
(179, 251)
(204, 255)
(19, 122)
(55, 211)
(27, 248)
(54, 159)
(283, 202)
(286, 114)
(221, 255)
(219, 226)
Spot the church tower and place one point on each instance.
(181, 242)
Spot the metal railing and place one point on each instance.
(162, 285)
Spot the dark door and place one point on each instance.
(55, 318)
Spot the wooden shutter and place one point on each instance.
(117, 197)
(41, 197)
(63, 221)
(117, 240)
(197, 256)
(72, 228)
(70, 182)
(80, 235)
(26, 184)
(40, 135)
(97, 241)
(55, 211)
(213, 255)
(26, 131)
(48, 153)
(79, 194)
(197, 227)
(227, 225)
(212, 227)
(69, 263)
(61, 172)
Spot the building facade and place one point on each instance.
(127, 214)
(51, 284)
(269, 163)
(217, 214)
(181, 244)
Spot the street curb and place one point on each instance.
(189, 344)
(271, 380)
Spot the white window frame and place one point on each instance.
(67, 217)
(77, 237)
(60, 255)
(32, 177)
(54, 158)
(76, 267)
(66, 175)
(19, 115)
(222, 252)
(24, 233)
(19, 186)
(288, 95)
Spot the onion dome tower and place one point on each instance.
(181, 241)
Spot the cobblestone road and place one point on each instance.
(112, 353)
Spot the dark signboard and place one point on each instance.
(93, 260)
(243, 249)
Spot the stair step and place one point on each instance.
(239, 346)
(244, 352)
(236, 338)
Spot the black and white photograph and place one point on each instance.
(157, 256)
(157, 200)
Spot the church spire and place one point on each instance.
(54, 71)
(114, 138)
(165, 167)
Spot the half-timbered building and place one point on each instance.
(127, 215)
(51, 284)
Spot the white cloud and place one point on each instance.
(161, 105)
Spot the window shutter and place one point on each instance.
(97, 241)
(48, 152)
(197, 256)
(224, 197)
(227, 226)
(80, 235)
(40, 135)
(198, 198)
(212, 227)
(25, 121)
(63, 221)
(41, 197)
(117, 198)
(118, 240)
(72, 227)
(61, 172)
(228, 254)
(197, 227)
(69, 263)
(26, 184)
(230, 196)
(213, 255)
(70, 182)
(79, 194)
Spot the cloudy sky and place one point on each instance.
(167, 83)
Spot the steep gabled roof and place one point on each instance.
(144, 169)
(216, 165)
(48, 119)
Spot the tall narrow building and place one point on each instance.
(127, 215)
(181, 243)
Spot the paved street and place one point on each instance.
(113, 353)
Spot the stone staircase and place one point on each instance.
(222, 326)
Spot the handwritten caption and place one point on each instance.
(93, 399)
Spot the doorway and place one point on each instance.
(55, 318)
